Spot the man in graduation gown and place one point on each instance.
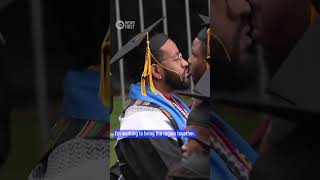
(199, 67)
(238, 142)
(79, 142)
(293, 143)
(236, 68)
(153, 106)
(198, 60)
(231, 156)
(273, 37)
(195, 163)
(78, 145)
(290, 147)
(233, 72)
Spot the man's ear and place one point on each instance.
(157, 72)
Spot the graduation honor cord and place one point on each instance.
(176, 104)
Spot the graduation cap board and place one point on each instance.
(134, 42)
(294, 91)
(206, 23)
(152, 45)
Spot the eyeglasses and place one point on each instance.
(180, 57)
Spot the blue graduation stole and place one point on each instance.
(218, 168)
(157, 99)
(81, 96)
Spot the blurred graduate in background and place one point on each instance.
(79, 142)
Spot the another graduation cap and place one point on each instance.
(294, 90)
(81, 90)
(153, 44)
(204, 34)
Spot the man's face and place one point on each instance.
(177, 69)
(278, 25)
(230, 26)
(230, 22)
(198, 60)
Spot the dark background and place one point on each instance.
(73, 32)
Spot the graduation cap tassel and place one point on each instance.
(104, 92)
(143, 79)
(223, 46)
(208, 43)
(147, 74)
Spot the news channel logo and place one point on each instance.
(125, 24)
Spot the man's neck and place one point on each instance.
(163, 89)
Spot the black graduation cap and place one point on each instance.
(204, 34)
(201, 89)
(151, 46)
(134, 42)
(294, 90)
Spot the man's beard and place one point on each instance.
(174, 81)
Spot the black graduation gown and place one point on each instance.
(197, 167)
(293, 153)
(147, 158)
(294, 143)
